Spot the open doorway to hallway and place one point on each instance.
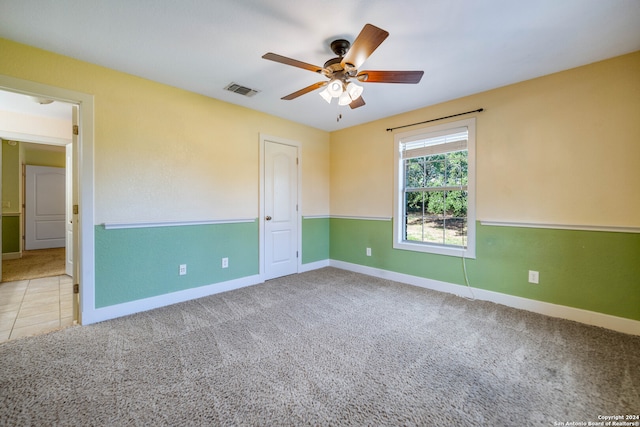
(36, 295)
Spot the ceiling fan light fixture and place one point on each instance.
(326, 95)
(42, 101)
(354, 90)
(335, 88)
(344, 99)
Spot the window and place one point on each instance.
(435, 189)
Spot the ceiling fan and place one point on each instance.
(342, 71)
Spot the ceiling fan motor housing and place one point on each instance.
(340, 47)
(334, 67)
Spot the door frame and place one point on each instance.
(84, 182)
(261, 225)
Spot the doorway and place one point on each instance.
(34, 201)
(36, 295)
(83, 190)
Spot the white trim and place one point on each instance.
(121, 225)
(563, 226)
(85, 178)
(365, 218)
(38, 139)
(316, 216)
(263, 138)
(132, 307)
(11, 255)
(620, 324)
(314, 265)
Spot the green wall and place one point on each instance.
(10, 194)
(34, 157)
(138, 263)
(10, 234)
(11, 176)
(591, 270)
(315, 239)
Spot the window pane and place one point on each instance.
(455, 218)
(457, 168)
(456, 232)
(414, 209)
(434, 229)
(435, 169)
(414, 173)
(455, 204)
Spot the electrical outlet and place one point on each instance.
(183, 269)
(225, 262)
(534, 277)
(368, 251)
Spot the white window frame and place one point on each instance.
(398, 212)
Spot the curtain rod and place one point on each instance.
(479, 110)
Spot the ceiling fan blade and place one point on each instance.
(367, 41)
(307, 89)
(358, 102)
(411, 77)
(293, 62)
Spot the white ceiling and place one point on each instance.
(463, 46)
(17, 103)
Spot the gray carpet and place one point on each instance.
(328, 347)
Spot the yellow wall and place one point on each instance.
(560, 149)
(10, 177)
(163, 153)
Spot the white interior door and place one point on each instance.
(280, 209)
(45, 207)
(69, 211)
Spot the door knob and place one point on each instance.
(268, 218)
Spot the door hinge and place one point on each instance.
(296, 254)
(75, 209)
(76, 288)
(297, 161)
(76, 130)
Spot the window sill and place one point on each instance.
(435, 249)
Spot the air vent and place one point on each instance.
(242, 90)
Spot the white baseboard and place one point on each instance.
(100, 314)
(615, 323)
(12, 255)
(620, 324)
(314, 266)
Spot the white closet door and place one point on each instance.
(45, 207)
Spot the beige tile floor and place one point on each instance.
(36, 306)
